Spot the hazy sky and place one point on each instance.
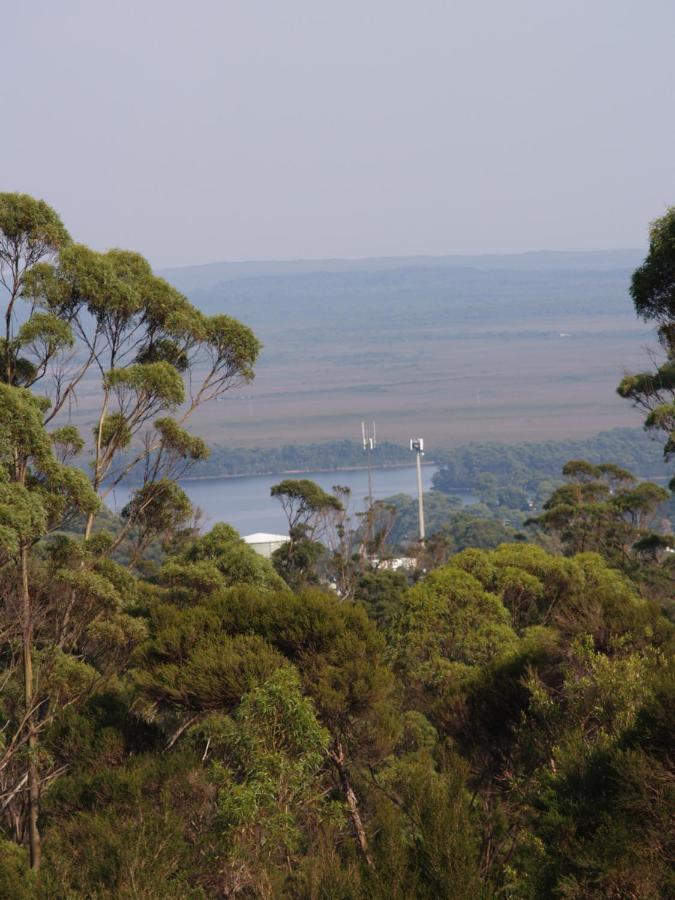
(257, 129)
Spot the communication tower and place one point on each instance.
(369, 444)
(417, 446)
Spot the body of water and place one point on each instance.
(245, 502)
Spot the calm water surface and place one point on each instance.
(246, 503)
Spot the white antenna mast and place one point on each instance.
(369, 444)
(417, 446)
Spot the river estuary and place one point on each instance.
(246, 504)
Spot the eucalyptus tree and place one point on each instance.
(308, 509)
(604, 509)
(36, 493)
(653, 292)
(30, 232)
(74, 316)
(154, 353)
(106, 314)
(304, 504)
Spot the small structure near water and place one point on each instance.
(265, 544)
(406, 563)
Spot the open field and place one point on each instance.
(450, 386)
(449, 352)
(455, 354)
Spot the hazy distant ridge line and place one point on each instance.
(208, 275)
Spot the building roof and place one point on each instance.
(261, 538)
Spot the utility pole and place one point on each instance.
(369, 444)
(417, 446)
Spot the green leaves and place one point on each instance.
(34, 481)
(44, 336)
(653, 292)
(142, 335)
(114, 433)
(653, 284)
(179, 441)
(231, 557)
(151, 384)
(28, 226)
(233, 347)
(73, 618)
(306, 494)
(307, 507)
(23, 517)
(604, 509)
(67, 442)
(194, 665)
(447, 624)
(273, 748)
(21, 427)
(159, 509)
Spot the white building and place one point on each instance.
(407, 563)
(265, 544)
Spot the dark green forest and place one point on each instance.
(526, 466)
(462, 467)
(223, 461)
(183, 718)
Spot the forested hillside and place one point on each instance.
(523, 465)
(183, 718)
(461, 467)
(297, 458)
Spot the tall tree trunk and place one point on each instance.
(9, 361)
(97, 462)
(33, 781)
(338, 757)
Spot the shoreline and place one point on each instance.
(304, 471)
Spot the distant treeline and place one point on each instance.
(463, 467)
(526, 465)
(460, 467)
(298, 458)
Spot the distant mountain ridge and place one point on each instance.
(432, 296)
(209, 275)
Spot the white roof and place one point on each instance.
(261, 538)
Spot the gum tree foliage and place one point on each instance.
(230, 640)
(547, 673)
(304, 504)
(218, 559)
(159, 510)
(653, 293)
(438, 510)
(450, 527)
(154, 353)
(602, 508)
(326, 541)
(30, 232)
(267, 758)
(106, 315)
(502, 728)
(72, 314)
(506, 732)
(446, 625)
(312, 514)
(61, 621)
